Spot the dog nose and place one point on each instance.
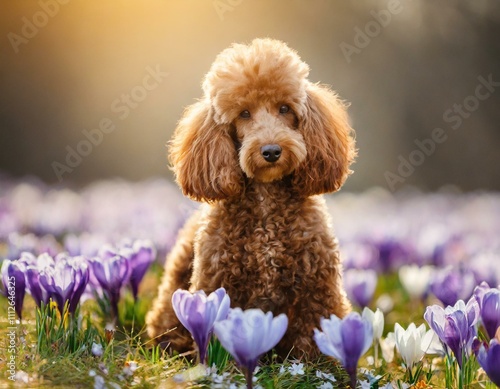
(271, 153)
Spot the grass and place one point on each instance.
(60, 356)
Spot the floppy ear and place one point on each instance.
(329, 142)
(203, 156)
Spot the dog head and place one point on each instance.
(260, 118)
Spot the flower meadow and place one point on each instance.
(80, 268)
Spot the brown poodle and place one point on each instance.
(258, 148)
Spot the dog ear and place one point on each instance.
(329, 141)
(203, 156)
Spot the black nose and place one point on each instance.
(271, 153)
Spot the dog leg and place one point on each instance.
(162, 323)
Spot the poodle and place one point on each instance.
(258, 149)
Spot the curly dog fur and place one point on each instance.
(257, 149)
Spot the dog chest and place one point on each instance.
(266, 238)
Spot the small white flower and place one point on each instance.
(282, 369)
(325, 385)
(296, 369)
(387, 346)
(385, 303)
(130, 367)
(22, 376)
(377, 320)
(326, 376)
(415, 280)
(133, 365)
(212, 370)
(365, 384)
(219, 379)
(97, 349)
(99, 382)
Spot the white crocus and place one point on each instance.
(387, 345)
(412, 343)
(377, 320)
(415, 279)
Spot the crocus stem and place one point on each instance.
(460, 374)
(449, 372)
(249, 377)
(114, 298)
(352, 375)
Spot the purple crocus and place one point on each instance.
(198, 313)
(345, 339)
(359, 255)
(65, 281)
(488, 357)
(452, 284)
(489, 304)
(248, 334)
(360, 285)
(140, 255)
(34, 266)
(14, 284)
(392, 253)
(455, 326)
(112, 271)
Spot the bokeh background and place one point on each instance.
(86, 54)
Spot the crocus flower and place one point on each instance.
(34, 266)
(198, 313)
(455, 326)
(345, 339)
(142, 253)
(360, 285)
(415, 279)
(484, 264)
(14, 284)
(112, 271)
(359, 255)
(489, 305)
(452, 284)
(248, 334)
(66, 281)
(30, 243)
(377, 320)
(488, 357)
(387, 345)
(19, 243)
(412, 343)
(392, 253)
(86, 244)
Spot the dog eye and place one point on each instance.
(284, 109)
(245, 114)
